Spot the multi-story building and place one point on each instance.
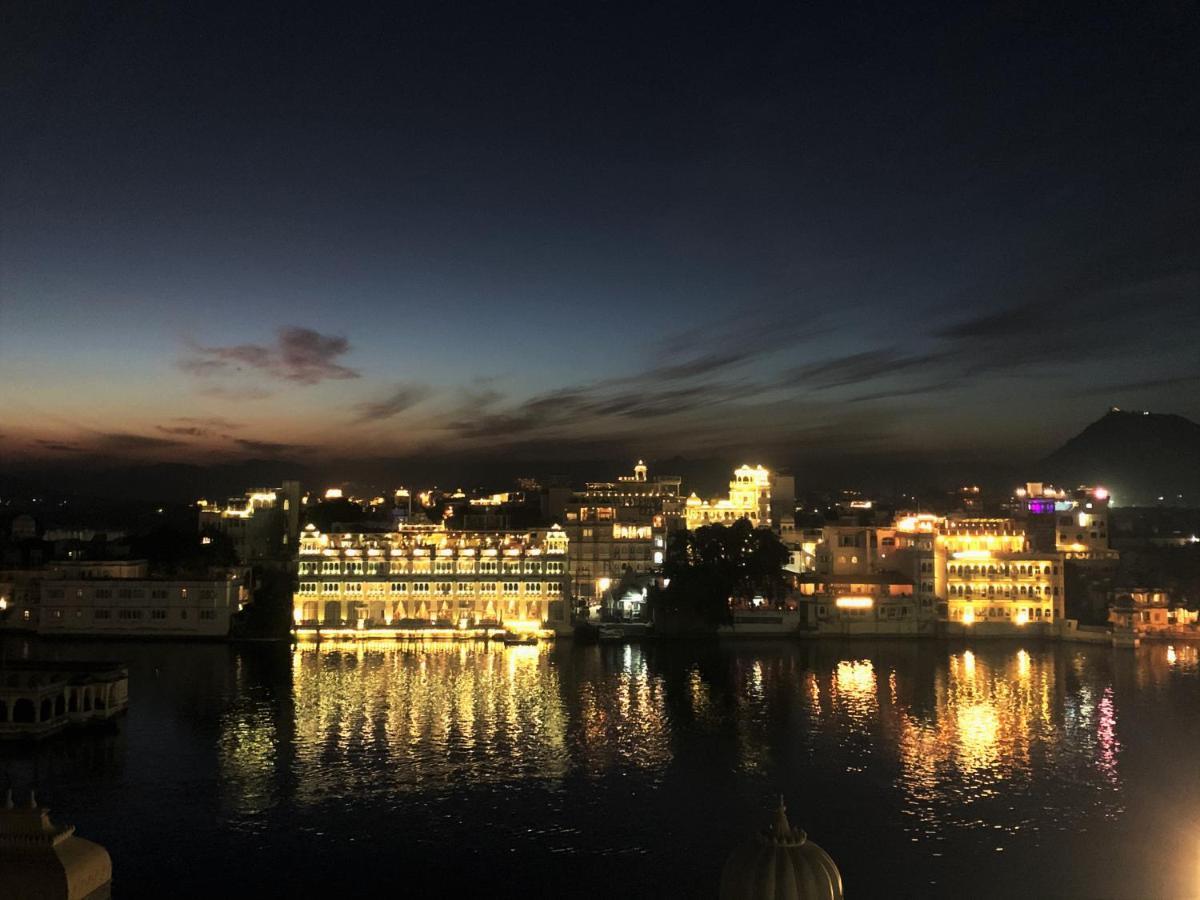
(863, 580)
(921, 569)
(1074, 523)
(99, 604)
(749, 498)
(427, 576)
(262, 524)
(619, 528)
(992, 578)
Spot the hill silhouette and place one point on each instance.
(1139, 456)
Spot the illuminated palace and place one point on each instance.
(749, 498)
(420, 577)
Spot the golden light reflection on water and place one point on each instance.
(431, 713)
(964, 733)
(622, 718)
(999, 724)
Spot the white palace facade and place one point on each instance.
(424, 577)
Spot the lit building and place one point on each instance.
(619, 528)
(863, 581)
(262, 524)
(427, 576)
(749, 498)
(992, 578)
(1073, 523)
(1146, 610)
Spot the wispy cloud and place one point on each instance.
(269, 448)
(197, 427)
(403, 397)
(300, 355)
(114, 441)
(58, 446)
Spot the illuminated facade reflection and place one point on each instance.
(980, 746)
(423, 714)
(621, 717)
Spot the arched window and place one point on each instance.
(46, 710)
(60, 705)
(23, 710)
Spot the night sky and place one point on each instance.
(571, 230)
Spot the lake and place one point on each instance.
(925, 768)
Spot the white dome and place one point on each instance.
(40, 859)
(780, 863)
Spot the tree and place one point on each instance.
(708, 568)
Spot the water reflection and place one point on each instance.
(979, 749)
(620, 716)
(372, 719)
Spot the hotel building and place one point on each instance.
(427, 576)
(991, 576)
(963, 573)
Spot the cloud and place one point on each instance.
(300, 355)
(269, 448)
(58, 446)
(1146, 385)
(403, 397)
(214, 423)
(243, 393)
(122, 441)
(194, 426)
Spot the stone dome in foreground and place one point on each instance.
(780, 863)
(41, 861)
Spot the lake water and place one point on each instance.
(992, 769)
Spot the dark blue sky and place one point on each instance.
(564, 230)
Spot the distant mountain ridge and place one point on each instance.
(1139, 456)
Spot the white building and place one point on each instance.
(423, 577)
(141, 606)
(749, 498)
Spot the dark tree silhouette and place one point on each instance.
(708, 568)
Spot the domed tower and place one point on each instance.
(780, 863)
(40, 859)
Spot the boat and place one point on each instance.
(520, 640)
(611, 632)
